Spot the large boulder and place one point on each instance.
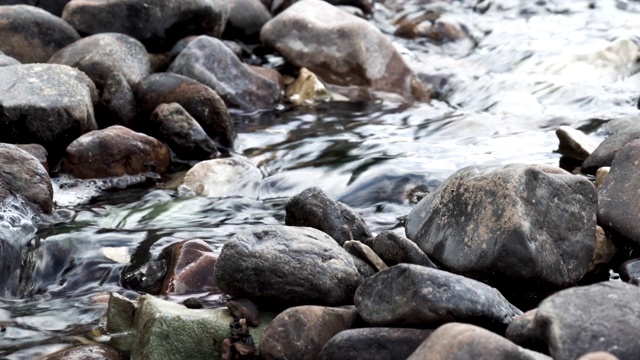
(158, 24)
(515, 225)
(313, 208)
(115, 151)
(373, 344)
(395, 249)
(245, 20)
(32, 35)
(617, 207)
(46, 104)
(212, 63)
(340, 48)
(202, 103)
(598, 317)
(413, 295)
(6, 60)
(287, 264)
(23, 175)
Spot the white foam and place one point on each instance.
(69, 191)
(16, 220)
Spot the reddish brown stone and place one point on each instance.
(191, 269)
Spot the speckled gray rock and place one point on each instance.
(245, 20)
(212, 63)
(630, 271)
(604, 154)
(45, 104)
(176, 128)
(373, 344)
(301, 332)
(415, 295)
(313, 208)
(23, 175)
(290, 264)
(340, 48)
(395, 249)
(53, 6)
(38, 151)
(117, 105)
(468, 342)
(6, 60)
(598, 317)
(156, 23)
(480, 221)
(32, 35)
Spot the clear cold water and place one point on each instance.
(532, 67)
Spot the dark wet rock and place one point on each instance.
(289, 264)
(193, 303)
(86, 352)
(212, 63)
(574, 143)
(363, 267)
(148, 277)
(468, 342)
(522, 332)
(158, 24)
(45, 104)
(413, 295)
(244, 309)
(395, 249)
(373, 344)
(364, 57)
(222, 177)
(32, 35)
(313, 208)
(301, 332)
(117, 105)
(480, 223)
(159, 62)
(23, 175)
(366, 6)
(365, 253)
(38, 151)
(245, 20)
(115, 151)
(173, 125)
(598, 317)
(202, 103)
(53, 6)
(191, 269)
(7, 60)
(617, 205)
(630, 271)
(604, 154)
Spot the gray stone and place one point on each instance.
(395, 249)
(245, 20)
(617, 205)
(45, 104)
(117, 105)
(574, 143)
(630, 271)
(7, 60)
(290, 264)
(413, 295)
(32, 35)
(156, 23)
(356, 248)
(373, 344)
(301, 332)
(340, 48)
(515, 226)
(522, 332)
(22, 175)
(598, 317)
(313, 208)
(174, 126)
(468, 342)
(222, 177)
(212, 63)
(38, 151)
(623, 131)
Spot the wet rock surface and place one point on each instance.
(624, 131)
(191, 269)
(395, 249)
(23, 175)
(630, 271)
(115, 151)
(373, 344)
(417, 296)
(288, 264)
(522, 332)
(222, 177)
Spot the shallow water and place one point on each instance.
(531, 68)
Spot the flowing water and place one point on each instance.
(527, 68)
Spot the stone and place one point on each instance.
(191, 269)
(373, 344)
(480, 223)
(522, 333)
(115, 151)
(222, 177)
(313, 208)
(22, 175)
(158, 24)
(413, 295)
(147, 277)
(362, 251)
(200, 101)
(120, 314)
(244, 309)
(617, 208)
(38, 151)
(574, 143)
(46, 104)
(604, 250)
(209, 61)
(117, 105)
(604, 154)
(340, 48)
(173, 125)
(193, 303)
(53, 6)
(7, 60)
(468, 342)
(287, 264)
(301, 332)
(630, 271)
(395, 249)
(366, 6)
(605, 313)
(245, 21)
(601, 175)
(86, 352)
(307, 89)
(32, 35)
(598, 355)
